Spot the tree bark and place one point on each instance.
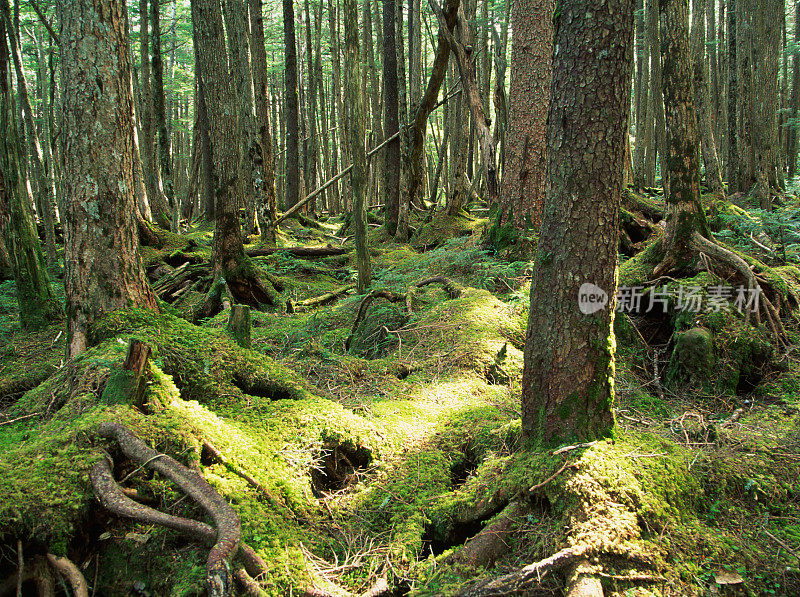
(358, 177)
(525, 174)
(703, 97)
(391, 119)
(268, 208)
(159, 104)
(292, 109)
(568, 374)
(794, 102)
(732, 100)
(311, 91)
(212, 61)
(641, 99)
(103, 266)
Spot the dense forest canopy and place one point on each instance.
(386, 297)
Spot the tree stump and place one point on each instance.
(239, 325)
(127, 385)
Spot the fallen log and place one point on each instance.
(295, 307)
(302, 252)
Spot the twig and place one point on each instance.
(22, 418)
(570, 448)
(782, 544)
(553, 476)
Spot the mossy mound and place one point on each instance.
(442, 227)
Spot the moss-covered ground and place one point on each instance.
(382, 460)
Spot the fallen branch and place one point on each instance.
(302, 252)
(299, 306)
(538, 486)
(218, 577)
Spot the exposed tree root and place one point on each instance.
(218, 576)
(729, 260)
(492, 542)
(71, 572)
(452, 289)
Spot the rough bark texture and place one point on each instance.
(212, 60)
(391, 119)
(525, 175)
(766, 54)
(103, 266)
(312, 152)
(292, 113)
(684, 210)
(702, 97)
(268, 208)
(358, 177)
(568, 375)
(659, 142)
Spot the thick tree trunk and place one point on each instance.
(250, 160)
(568, 376)
(267, 208)
(684, 210)
(703, 97)
(103, 266)
(525, 174)
(358, 177)
(212, 61)
(767, 50)
(292, 112)
(391, 122)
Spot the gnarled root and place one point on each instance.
(491, 543)
(226, 545)
(70, 571)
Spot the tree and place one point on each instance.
(38, 305)
(391, 121)
(103, 266)
(525, 176)
(568, 375)
(705, 109)
(641, 100)
(358, 177)
(292, 184)
(159, 104)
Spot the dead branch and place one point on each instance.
(538, 486)
(218, 577)
(390, 296)
(299, 306)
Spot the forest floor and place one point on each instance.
(368, 466)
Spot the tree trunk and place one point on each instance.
(525, 174)
(250, 160)
(703, 97)
(292, 113)
(103, 266)
(313, 145)
(745, 109)
(212, 61)
(44, 185)
(337, 110)
(358, 176)
(267, 208)
(391, 122)
(159, 108)
(656, 92)
(732, 100)
(38, 305)
(326, 170)
(641, 98)
(568, 375)
(767, 50)
(685, 214)
(794, 102)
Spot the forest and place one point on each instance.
(376, 298)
